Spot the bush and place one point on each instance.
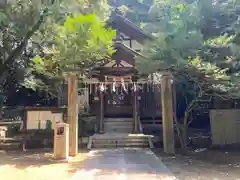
(39, 139)
(12, 130)
(86, 124)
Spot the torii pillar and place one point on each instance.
(72, 119)
(167, 113)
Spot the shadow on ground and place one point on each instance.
(201, 164)
(38, 163)
(103, 164)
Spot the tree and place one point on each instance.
(136, 10)
(80, 42)
(193, 52)
(26, 30)
(19, 21)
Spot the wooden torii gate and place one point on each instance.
(167, 113)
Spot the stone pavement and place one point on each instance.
(123, 164)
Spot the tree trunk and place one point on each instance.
(182, 130)
(185, 128)
(20, 48)
(179, 133)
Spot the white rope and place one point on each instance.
(114, 86)
(102, 87)
(123, 85)
(134, 87)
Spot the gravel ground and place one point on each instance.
(37, 166)
(193, 165)
(203, 164)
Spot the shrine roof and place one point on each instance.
(121, 23)
(126, 48)
(121, 63)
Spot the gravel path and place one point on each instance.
(123, 164)
(205, 165)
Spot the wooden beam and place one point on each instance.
(73, 114)
(167, 113)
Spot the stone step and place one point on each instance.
(118, 130)
(118, 123)
(132, 145)
(10, 140)
(122, 143)
(117, 126)
(120, 140)
(10, 146)
(118, 120)
(120, 136)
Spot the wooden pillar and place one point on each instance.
(73, 114)
(174, 102)
(133, 113)
(101, 124)
(135, 110)
(167, 113)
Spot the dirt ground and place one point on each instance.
(37, 166)
(198, 164)
(203, 164)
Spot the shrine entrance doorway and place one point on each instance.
(118, 103)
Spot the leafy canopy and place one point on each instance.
(80, 42)
(182, 41)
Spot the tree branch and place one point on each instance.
(19, 49)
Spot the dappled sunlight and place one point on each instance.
(38, 166)
(10, 172)
(203, 165)
(123, 164)
(108, 174)
(140, 135)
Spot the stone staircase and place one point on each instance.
(118, 134)
(118, 125)
(8, 144)
(117, 140)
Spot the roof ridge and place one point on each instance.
(116, 14)
(120, 44)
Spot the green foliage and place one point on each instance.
(198, 42)
(27, 28)
(80, 42)
(173, 16)
(179, 28)
(124, 9)
(224, 40)
(19, 21)
(83, 39)
(135, 10)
